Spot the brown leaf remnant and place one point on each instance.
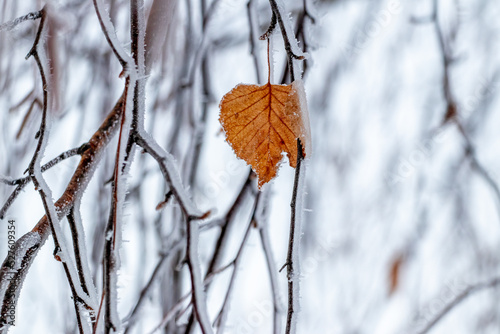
(395, 273)
(262, 122)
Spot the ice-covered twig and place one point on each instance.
(7, 26)
(77, 185)
(61, 252)
(80, 251)
(292, 260)
(110, 34)
(170, 172)
(63, 156)
(12, 275)
(137, 31)
(36, 102)
(22, 182)
(291, 46)
(113, 229)
(178, 306)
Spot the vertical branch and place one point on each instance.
(114, 226)
(291, 47)
(61, 253)
(110, 34)
(292, 260)
(26, 248)
(80, 251)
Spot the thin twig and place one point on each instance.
(114, 226)
(198, 295)
(7, 26)
(178, 306)
(470, 290)
(61, 252)
(27, 116)
(169, 171)
(292, 244)
(132, 317)
(77, 185)
(220, 245)
(276, 16)
(110, 34)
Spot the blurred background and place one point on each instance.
(401, 226)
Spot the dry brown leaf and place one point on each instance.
(262, 122)
(395, 273)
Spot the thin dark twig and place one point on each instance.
(160, 157)
(105, 27)
(132, 317)
(292, 243)
(271, 27)
(286, 39)
(470, 290)
(220, 244)
(25, 99)
(12, 24)
(22, 182)
(82, 265)
(63, 156)
(451, 114)
(110, 262)
(228, 219)
(40, 185)
(171, 313)
(27, 116)
(77, 185)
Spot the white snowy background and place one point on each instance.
(387, 182)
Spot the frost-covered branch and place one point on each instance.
(7, 26)
(133, 315)
(290, 42)
(61, 252)
(110, 34)
(22, 182)
(170, 172)
(27, 247)
(292, 260)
